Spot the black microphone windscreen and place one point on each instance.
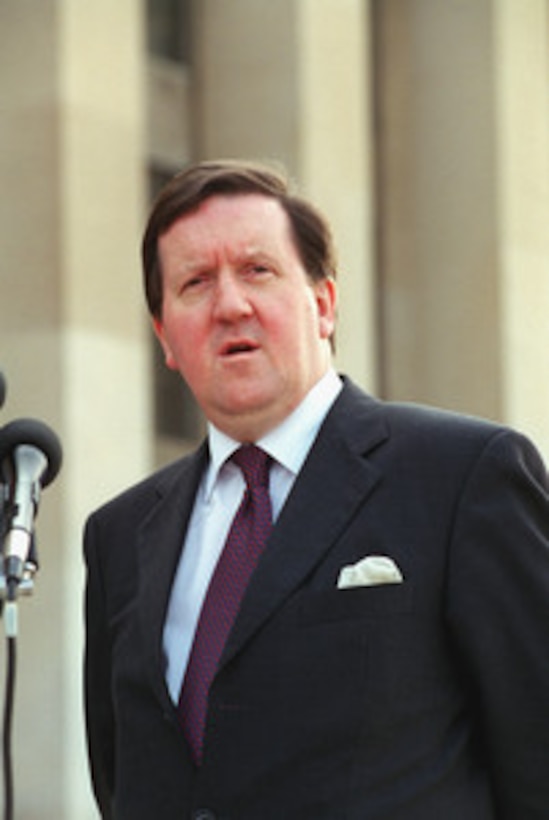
(36, 434)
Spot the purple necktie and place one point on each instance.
(247, 537)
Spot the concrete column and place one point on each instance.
(522, 162)
(289, 81)
(462, 205)
(73, 334)
(437, 191)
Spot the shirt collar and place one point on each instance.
(288, 443)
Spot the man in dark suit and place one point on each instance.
(389, 653)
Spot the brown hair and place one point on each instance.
(191, 187)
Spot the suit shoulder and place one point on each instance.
(419, 429)
(451, 435)
(429, 420)
(415, 418)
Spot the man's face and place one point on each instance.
(241, 320)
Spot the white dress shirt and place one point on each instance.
(217, 500)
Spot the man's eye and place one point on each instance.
(259, 269)
(194, 282)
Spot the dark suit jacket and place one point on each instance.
(426, 700)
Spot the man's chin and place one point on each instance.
(247, 414)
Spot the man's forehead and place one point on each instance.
(250, 217)
(243, 226)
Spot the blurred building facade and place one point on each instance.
(421, 127)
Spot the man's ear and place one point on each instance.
(326, 300)
(160, 334)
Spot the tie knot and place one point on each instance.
(254, 463)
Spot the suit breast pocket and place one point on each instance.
(374, 602)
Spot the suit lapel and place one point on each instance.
(159, 548)
(335, 480)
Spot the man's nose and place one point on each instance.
(231, 300)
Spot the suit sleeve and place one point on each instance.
(97, 682)
(498, 610)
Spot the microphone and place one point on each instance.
(30, 455)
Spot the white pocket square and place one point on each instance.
(370, 571)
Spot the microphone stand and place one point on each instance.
(13, 586)
(10, 590)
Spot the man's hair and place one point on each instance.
(185, 193)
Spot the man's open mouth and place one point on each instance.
(234, 348)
